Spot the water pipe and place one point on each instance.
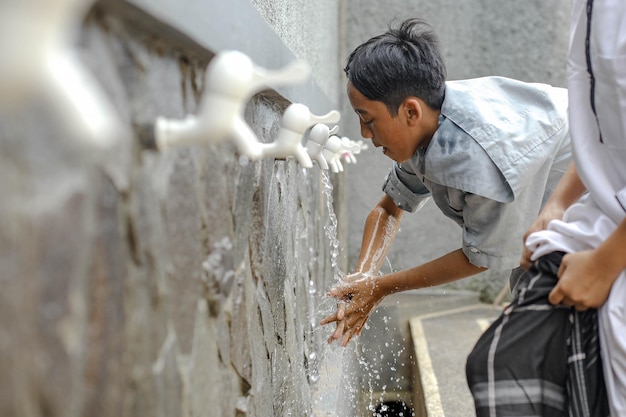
(39, 62)
(296, 120)
(317, 139)
(231, 80)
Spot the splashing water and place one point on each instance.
(377, 361)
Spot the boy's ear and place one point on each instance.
(413, 110)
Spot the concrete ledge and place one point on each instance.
(211, 26)
(441, 342)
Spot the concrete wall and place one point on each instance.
(523, 40)
(181, 283)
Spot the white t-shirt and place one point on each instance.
(599, 148)
(599, 142)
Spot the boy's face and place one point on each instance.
(394, 133)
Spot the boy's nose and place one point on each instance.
(366, 133)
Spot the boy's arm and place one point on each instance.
(569, 189)
(381, 227)
(586, 278)
(447, 268)
(364, 292)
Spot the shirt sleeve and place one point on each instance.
(405, 189)
(492, 232)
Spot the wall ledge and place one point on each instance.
(210, 26)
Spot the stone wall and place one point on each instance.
(181, 283)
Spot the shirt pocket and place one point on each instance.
(610, 99)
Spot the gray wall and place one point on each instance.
(524, 40)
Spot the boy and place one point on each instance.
(488, 151)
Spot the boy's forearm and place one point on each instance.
(381, 227)
(448, 268)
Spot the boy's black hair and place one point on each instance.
(400, 63)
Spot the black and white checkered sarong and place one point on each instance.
(537, 359)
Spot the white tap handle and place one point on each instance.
(81, 102)
(233, 73)
(332, 116)
(314, 150)
(314, 146)
(231, 79)
(349, 157)
(336, 165)
(332, 153)
(352, 146)
(295, 122)
(43, 63)
(294, 73)
(246, 140)
(298, 117)
(317, 139)
(171, 133)
(319, 134)
(334, 145)
(33, 33)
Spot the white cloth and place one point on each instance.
(599, 142)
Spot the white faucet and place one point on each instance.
(231, 80)
(317, 140)
(332, 153)
(296, 120)
(351, 148)
(337, 148)
(39, 61)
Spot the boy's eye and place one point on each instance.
(368, 123)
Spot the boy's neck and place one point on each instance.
(430, 124)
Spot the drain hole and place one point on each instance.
(393, 409)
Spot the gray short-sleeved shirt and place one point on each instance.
(500, 149)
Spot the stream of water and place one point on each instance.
(331, 383)
(331, 228)
(337, 387)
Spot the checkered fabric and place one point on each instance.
(537, 359)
